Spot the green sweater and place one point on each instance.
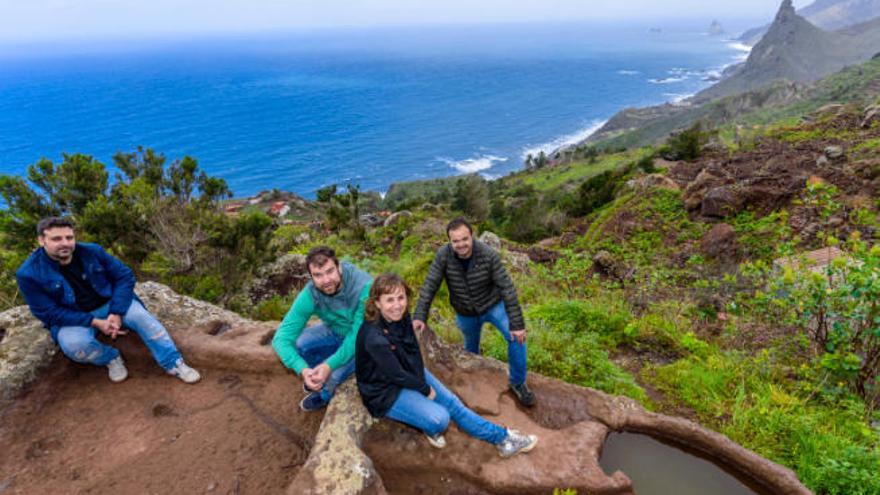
(343, 312)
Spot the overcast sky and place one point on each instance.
(26, 20)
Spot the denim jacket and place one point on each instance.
(51, 298)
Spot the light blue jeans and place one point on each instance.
(80, 344)
(432, 416)
(472, 326)
(317, 343)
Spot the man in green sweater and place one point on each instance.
(323, 354)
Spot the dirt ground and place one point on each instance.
(76, 432)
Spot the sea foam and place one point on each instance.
(563, 141)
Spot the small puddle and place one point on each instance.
(656, 468)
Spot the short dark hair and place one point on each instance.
(53, 222)
(458, 222)
(319, 255)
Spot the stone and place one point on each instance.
(572, 422)
(26, 349)
(279, 278)
(822, 161)
(652, 181)
(371, 220)
(607, 265)
(395, 218)
(541, 255)
(834, 152)
(871, 115)
(721, 202)
(567, 239)
(720, 242)
(490, 239)
(518, 262)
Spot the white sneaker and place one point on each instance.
(437, 441)
(116, 370)
(184, 372)
(516, 442)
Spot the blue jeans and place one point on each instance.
(317, 343)
(471, 326)
(80, 344)
(432, 416)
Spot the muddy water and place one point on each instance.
(659, 469)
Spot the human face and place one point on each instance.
(326, 277)
(59, 243)
(462, 242)
(392, 305)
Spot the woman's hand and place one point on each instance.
(432, 395)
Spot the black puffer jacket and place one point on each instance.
(474, 292)
(387, 360)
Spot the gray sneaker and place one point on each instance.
(437, 441)
(516, 442)
(116, 370)
(184, 372)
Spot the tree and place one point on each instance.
(343, 212)
(472, 197)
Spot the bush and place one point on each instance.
(686, 145)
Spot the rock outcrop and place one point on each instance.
(354, 454)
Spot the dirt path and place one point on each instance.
(76, 432)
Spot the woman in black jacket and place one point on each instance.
(395, 384)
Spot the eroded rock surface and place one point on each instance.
(355, 454)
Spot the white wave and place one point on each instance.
(736, 45)
(474, 165)
(677, 98)
(627, 72)
(667, 80)
(563, 141)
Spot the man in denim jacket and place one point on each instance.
(77, 288)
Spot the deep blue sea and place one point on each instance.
(368, 106)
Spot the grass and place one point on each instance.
(751, 400)
(568, 174)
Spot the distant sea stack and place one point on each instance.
(795, 50)
(715, 29)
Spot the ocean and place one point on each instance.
(365, 106)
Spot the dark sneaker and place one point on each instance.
(312, 402)
(516, 442)
(523, 394)
(437, 441)
(306, 389)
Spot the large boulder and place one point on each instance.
(279, 278)
(25, 349)
(722, 202)
(491, 239)
(395, 218)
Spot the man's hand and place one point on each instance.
(102, 325)
(519, 336)
(315, 377)
(432, 394)
(115, 322)
(418, 326)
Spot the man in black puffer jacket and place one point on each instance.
(480, 291)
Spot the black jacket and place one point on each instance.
(387, 359)
(474, 292)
